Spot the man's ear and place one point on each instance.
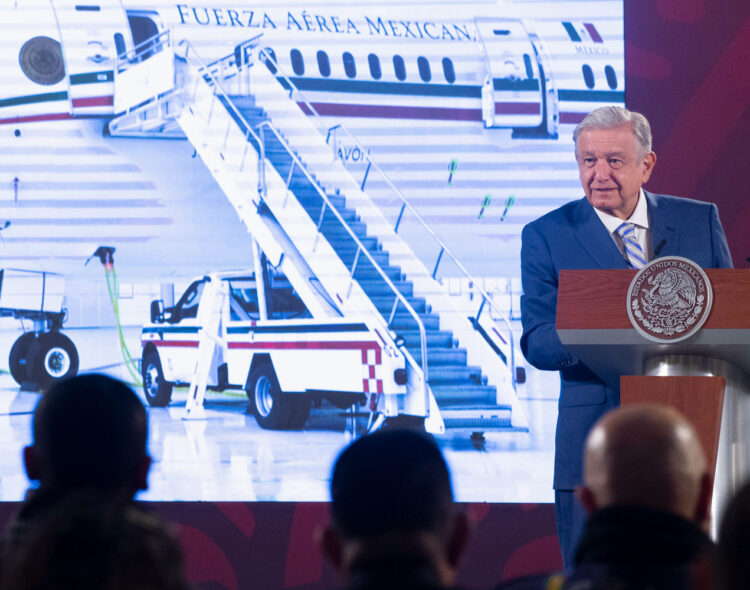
(31, 462)
(141, 474)
(459, 539)
(586, 498)
(331, 546)
(649, 161)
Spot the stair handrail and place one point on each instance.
(240, 52)
(133, 56)
(237, 116)
(360, 247)
(263, 55)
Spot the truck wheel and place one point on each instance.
(300, 411)
(157, 390)
(17, 360)
(270, 406)
(57, 359)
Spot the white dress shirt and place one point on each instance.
(639, 218)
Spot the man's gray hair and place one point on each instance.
(610, 117)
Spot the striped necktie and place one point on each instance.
(633, 251)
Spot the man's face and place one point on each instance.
(611, 169)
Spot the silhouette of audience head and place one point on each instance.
(84, 543)
(392, 500)
(733, 567)
(646, 455)
(81, 528)
(89, 431)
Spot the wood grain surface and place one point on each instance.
(699, 399)
(596, 299)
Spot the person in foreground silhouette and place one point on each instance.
(733, 565)
(647, 493)
(80, 528)
(393, 520)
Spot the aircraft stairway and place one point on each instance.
(465, 400)
(154, 118)
(334, 245)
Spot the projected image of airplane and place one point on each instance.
(368, 155)
(485, 88)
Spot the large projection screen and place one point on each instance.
(133, 137)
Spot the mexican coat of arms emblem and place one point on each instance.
(669, 299)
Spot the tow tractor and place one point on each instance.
(266, 342)
(43, 355)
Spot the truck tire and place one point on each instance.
(17, 360)
(157, 390)
(301, 405)
(271, 407)
(55, 359)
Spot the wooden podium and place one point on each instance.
(706, 376)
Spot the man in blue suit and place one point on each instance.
(616, 225)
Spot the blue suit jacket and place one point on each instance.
(573, 237)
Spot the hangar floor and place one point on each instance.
(227, 457)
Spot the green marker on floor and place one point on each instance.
(452, 167)
(508, 204)
(485, 203)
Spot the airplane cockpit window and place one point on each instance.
(399, 67)
(529, 68)
(298, 64)
(350, 68)
(243, 300)
(588, 75)
(424, 69)
(120, 46)
(448, 71)
(609, 72)
(324, 64)
(374, 62)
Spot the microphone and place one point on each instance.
(660, 246)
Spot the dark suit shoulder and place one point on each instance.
(567, 214)
(672, 202)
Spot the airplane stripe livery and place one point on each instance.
(92, 77)
(37, 118)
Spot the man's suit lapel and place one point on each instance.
(595, 239)
(665, 239)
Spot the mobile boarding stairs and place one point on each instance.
(275, 160)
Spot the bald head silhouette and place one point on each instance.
(646, 455)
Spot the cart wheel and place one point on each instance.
(17, 360)
(56, 359)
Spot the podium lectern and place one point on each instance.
(692, 374)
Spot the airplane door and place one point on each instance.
(92, 32)
(512, 92)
